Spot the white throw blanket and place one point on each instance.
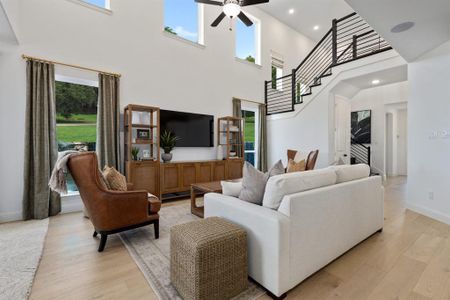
(57, 181)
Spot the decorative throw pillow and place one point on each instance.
(254, 182)
(231, 188)
(103, 182)
(296, 166)
(116, 181)
(300, 155)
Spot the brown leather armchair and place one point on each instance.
(310, 161)
(111, 211)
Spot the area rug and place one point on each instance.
(153, 256)
(21, 246)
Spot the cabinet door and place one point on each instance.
(188, 175)
(235, 168)
(204, 172)
(170, 179)
(144, 176)
(220, 172)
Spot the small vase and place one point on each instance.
(166, 157)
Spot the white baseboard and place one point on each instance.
(10, 216)
(429, 213)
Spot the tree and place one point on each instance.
(170, 30)
(250, 59)
(75, 99)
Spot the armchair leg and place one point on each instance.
(95, 234)
(103, 239)
(156, 229)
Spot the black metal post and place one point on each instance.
(294, 89)
(368, 155)
(355, 46)
(334, 40)
(265, 96)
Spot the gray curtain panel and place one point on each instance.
(262, 134)
(108, 121)
(41, 150)
(237, 108)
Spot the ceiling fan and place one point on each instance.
(232, 9)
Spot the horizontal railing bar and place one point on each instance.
(312, 51)
(346, 17)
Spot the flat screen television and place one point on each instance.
(194, 130)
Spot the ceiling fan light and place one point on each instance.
(231, 10)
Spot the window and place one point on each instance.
(99, 3)
(76, 119)
(277, 71)
(250, 136)
(248, 41)
(184, 19)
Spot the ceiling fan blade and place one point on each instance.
(252, 2)
(218, 20)
(210, 2)
(245, 19)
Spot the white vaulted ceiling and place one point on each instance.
(431, 18)
(307, 14)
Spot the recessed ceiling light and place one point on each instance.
(375, 81)
(402, 27)
(316, 27)
(291, 11)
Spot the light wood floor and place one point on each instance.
(409, 260)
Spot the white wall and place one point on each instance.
(377, 99)
(428, 141)
(312, 125)
(157, 69)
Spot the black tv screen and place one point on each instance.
(194, 130)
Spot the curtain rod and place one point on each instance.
(68, 65)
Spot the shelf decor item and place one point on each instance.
(135, 153)
(141, 136)
(168, 142)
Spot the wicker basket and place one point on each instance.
(208, 259)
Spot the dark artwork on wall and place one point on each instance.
(361, 127)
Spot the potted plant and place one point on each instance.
(167, 142)
(135, 153)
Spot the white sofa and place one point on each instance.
(317, 221)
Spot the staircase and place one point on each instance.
(359, 153)
(350, 38)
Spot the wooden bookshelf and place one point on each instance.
(143, 173)
(231, 136)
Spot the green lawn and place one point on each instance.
(76, 133)
(249, 130)
(77, 119)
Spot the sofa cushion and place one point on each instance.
(346, 173)
(231, 188)
(254, 182)
(279, 186)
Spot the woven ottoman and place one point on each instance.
(208, 259)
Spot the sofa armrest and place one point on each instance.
(268, 238)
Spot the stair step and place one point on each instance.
(316, 84)
(306, 94)
(326, 75)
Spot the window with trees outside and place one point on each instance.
(249, 136)
(183, 18)
(76, 119)
(99, 3)
(247, 41)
